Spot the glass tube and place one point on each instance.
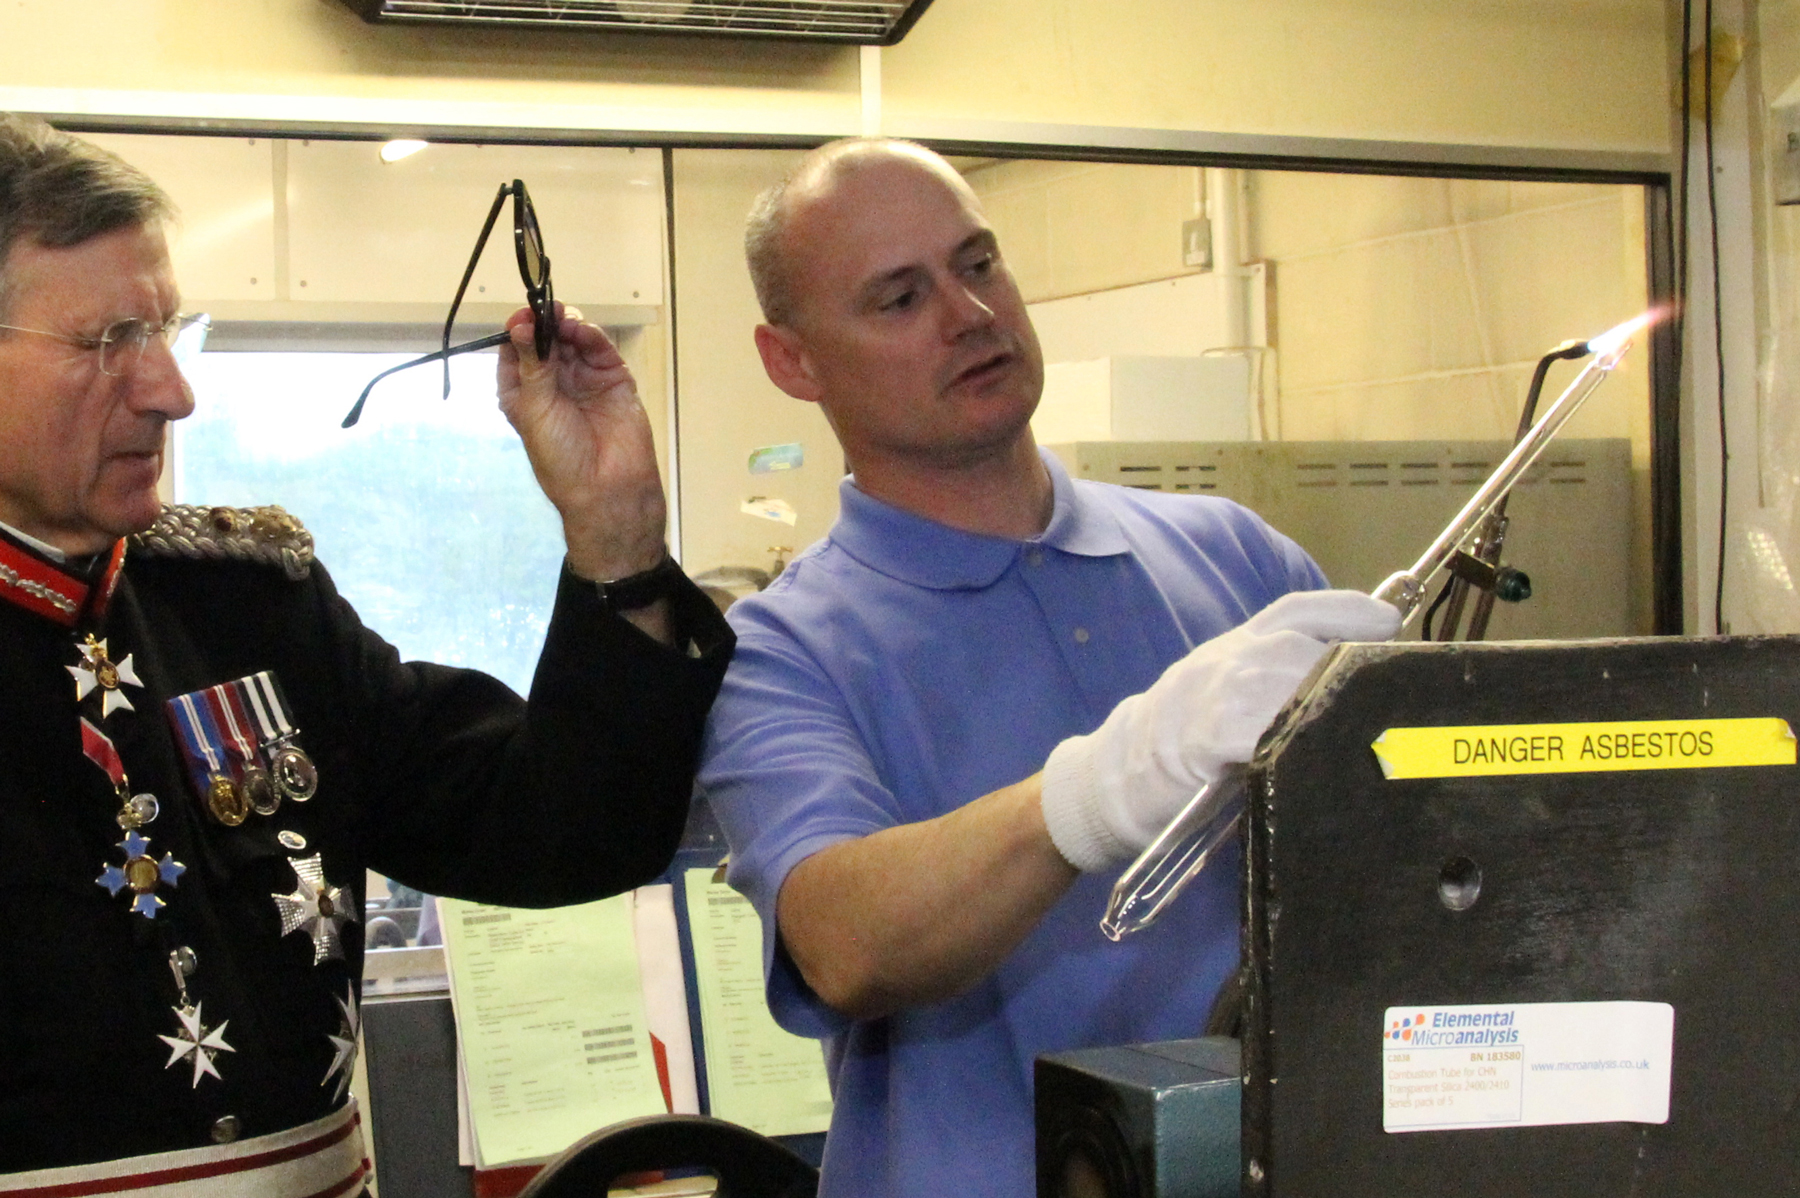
(1183, 849)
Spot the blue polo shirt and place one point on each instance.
(899, 669)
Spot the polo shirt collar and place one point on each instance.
(923, 552)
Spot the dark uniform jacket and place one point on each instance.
(441, 778)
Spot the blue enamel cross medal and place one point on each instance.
(140, 874)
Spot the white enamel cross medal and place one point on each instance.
(343, 1044)
(101, 671)
(198, 1041)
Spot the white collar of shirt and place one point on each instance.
(49, 551)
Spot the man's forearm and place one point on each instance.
(920, 912)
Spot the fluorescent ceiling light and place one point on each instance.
(402, 147)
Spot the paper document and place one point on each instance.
(756, 1074)
(550, 1024)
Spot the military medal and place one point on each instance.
(99, 671)
(295, 774)
(225, 801)
(194, 1039)
(316, 907)
(198, 1041)
(231, 714)
(293, 771)
(343, 1044)
(140, 874)
(203, 746)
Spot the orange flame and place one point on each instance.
(1614, 340)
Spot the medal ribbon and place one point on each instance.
(101, 751)
(266, 701)
(229, 715)
(201, 743)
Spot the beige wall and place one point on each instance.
(1400, 308)
(1426, 302)
(728, 406)
(1563, 73)
(1070, 228)
(1418, 308)
(1577, 73)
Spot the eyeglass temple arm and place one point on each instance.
(445, 354)
(468, 273)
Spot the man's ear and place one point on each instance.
(785, 360)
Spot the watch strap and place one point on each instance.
(641, 589)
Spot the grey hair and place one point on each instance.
(765, 232)
(59, 191)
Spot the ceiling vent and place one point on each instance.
(866, 22)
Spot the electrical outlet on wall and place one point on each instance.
(1784, 129)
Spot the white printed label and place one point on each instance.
(1525, 1065)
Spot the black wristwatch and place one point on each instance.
(641, 589)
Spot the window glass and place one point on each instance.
(426, 512)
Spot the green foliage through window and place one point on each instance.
(426, 513)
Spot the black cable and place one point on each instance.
(1568, 351)
(1687, 140)
(1718, 317)
(1680, 225)
(1443, 594)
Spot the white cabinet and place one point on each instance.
(364, 231)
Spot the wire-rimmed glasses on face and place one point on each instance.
(120, 345)
(534, 271)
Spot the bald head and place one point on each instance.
(769, 237)
(889, 305)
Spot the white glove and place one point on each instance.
(1107, 795)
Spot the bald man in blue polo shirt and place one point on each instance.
(985, 687)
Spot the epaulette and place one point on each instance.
(246, 534)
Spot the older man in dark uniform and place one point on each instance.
(201, 748)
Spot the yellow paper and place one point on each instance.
(549, 1022)
(1480, 751)
(756, 1073)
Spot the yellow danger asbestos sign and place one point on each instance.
(1469, 752)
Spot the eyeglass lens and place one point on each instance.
(122, 344)
(534, 270)
(532, 252)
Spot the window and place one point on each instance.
(426, 513)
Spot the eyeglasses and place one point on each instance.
(534, 271)
(121, 344)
